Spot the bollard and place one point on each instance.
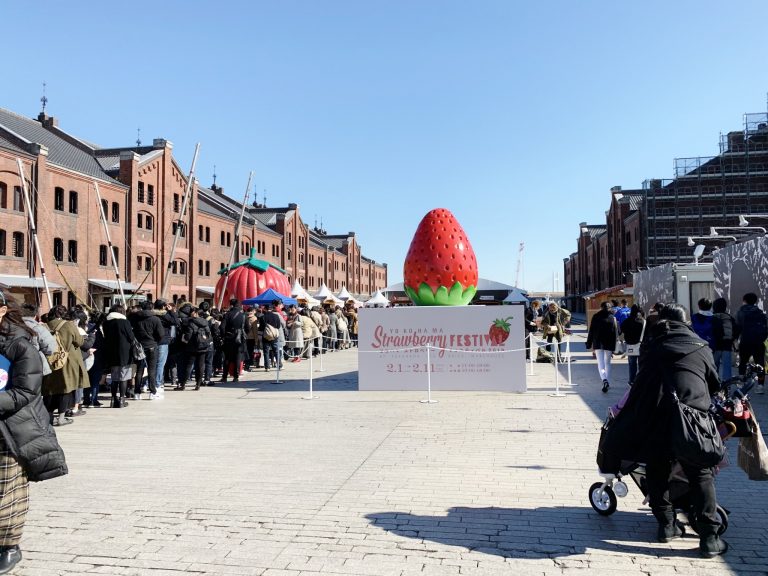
(557, 392)
(311, 358)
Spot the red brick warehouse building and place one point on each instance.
(142, 190)
(652, 225)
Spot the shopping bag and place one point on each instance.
(753, 454)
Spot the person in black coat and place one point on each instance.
(197, 338)
(28, 446)
(232, 327)
(165, 362)
(601, 338)
(118, 335)
(149, 331)
(633, 330)
(675, 359)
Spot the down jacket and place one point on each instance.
(674, 358)
(24, 420)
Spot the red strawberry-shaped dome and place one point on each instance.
(249, 278)
(440, 268)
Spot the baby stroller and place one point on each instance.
(731, 409)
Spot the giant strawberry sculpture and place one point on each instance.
(440, 268)
(251, 277)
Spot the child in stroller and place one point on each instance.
(730, 408)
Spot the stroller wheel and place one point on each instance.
(722, 515)
(603, 500)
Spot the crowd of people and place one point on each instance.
(140, 351)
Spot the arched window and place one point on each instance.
(72, 251)
(2, 242)
(103, 255)
(148, 222)
(115, 212)
(3, 195)
(105, 208)
(18, 199)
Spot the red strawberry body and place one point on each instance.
(440, 268)
(499, 331)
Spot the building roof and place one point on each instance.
(60, 152)
(9, 145)
(594, 230)
(634, 199)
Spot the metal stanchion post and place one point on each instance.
(530, 347)
(311, 357)
(322, 353)
(278, 364)
(429, 381)
(557, 373)
(568, 359)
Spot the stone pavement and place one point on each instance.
(250, 479)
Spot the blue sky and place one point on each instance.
(516, 116)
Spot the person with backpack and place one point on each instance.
(149, 331)
(724, 334)
(601, 338)
(753, 328)
(43, 340)
(28, 446)
(234, 340)
(67, 368)
(197, 339)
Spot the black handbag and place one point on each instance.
(694, 435)
(137, 350)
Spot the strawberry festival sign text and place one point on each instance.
(470, 348)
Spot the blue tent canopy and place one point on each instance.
(265, 299)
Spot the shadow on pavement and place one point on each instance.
(547, 532)
(293, 381)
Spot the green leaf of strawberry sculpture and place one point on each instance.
(440, 268)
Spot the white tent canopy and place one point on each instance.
(298, 292)
(515, 295)
(378, 300)
(344, 294)
(323, 293)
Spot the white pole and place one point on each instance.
(237, 239)
(568, 359)
(429, 381)
(322, 353)
(530, 347)
(109, 243)
(311, 356)
(33, 229)
(279, 363)
(179, 226)
(557, 371)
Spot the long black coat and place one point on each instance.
(233, 322)
(119, 337)
(602, 331)
(24, 420)
(675, 357)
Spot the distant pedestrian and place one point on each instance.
(554, 326)
(753, 328)
(118, 335)
(601, 338)
(232, 327)
(633, 330)
(197, 338)
(725, 331)
(701, 322)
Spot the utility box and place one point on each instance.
(685, 284)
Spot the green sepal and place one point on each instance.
(457, 296)
(253, 262)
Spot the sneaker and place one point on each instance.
(759, 389)
(152, 396)
(606, 385)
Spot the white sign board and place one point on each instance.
(470, 348)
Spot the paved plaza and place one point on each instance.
(250, 479)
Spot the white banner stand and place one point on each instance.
(429, 381)
(311, 357)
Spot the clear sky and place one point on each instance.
(516, 116)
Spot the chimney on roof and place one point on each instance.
(217, 189)
(351, 234)
(293, 206)
(161, 143)
(47, 121)
(615, 189)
